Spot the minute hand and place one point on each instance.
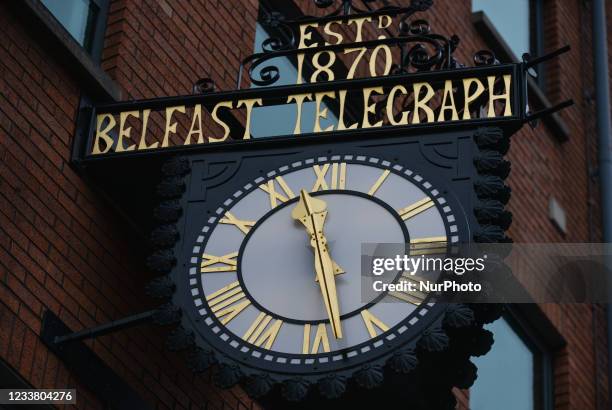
(311, 213)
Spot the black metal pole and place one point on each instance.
(602, 95)
(106, 328)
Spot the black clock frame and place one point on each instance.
(472, 179)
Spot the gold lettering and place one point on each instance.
(323, 68)
(470, 98)
(171, 127)
(370, 321)
(448, 94)
(428, 246)
(370, 108)
(125, 132)
(374, 58)
(215, 117)
(227, 262)
(320, 340)
(416, 208)
(300, 61)
(353, 69)
(142, 145)
(103, 133)
(359, 23)
(421, 103)
(341, 125)
(505, 96)
(383, 25)
(228, 302)
(230, 219)
(306, 36)
(322, 113)
(415, 297)
(249, 106)
(327, 30)
(391, 102)
(197, 119)
(256, 335)
(379, 182)
(299, 100)
(270, 188)
(338, 179)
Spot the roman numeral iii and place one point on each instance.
(416, 208)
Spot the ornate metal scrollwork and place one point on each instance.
(203, 86)
(485, 57)
(419, 48)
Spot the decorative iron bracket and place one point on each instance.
(87, 367)
(104, 329)
(528, 64)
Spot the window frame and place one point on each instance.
(541, 336)
(99, 31)
(536, 36)
(93, 43)
(55, 38)
(543, 369)
(537, 96)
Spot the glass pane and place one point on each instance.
(505, 374)
(280, 119)
(75, 16)
(511, 19)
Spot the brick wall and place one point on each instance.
(63, 248)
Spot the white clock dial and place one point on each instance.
(254, 266)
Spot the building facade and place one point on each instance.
(67, 248)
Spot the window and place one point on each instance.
(266, 119)
(518, 22)
(85, 20)
(516, 374)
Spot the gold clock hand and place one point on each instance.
(311, 212)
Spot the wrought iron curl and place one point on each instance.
(203, 86)
(484, 58)
(420, 49)
(286, 40)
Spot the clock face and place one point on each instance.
(275, 274)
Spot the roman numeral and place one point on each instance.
(230, 219)
(228, 302)
(338, 176)
(428, 246)
(260, 333)
(371, 321)
(320, 340)
(228, 261)
(416, 297)
(270, 188)
(379, 182)
(416, 208)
